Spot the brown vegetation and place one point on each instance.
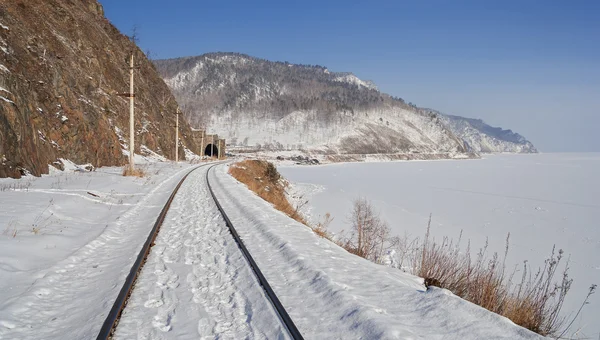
(263, 178)
(136, 172)
(533, 302)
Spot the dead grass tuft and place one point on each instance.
(263, 178)
(533, 302)
(136, 172)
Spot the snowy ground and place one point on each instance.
(60, 281)
(541, 200)
(68, 241)
(331, 294)
(196, 282)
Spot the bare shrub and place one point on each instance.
(135, 172)
(370, 235)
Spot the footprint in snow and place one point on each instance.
(155, 299)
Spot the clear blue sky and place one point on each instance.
(531, 66)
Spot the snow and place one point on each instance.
(7, 100)
(4, 90)
(72, 236)
(331, 294)
(3, 26)
(314, 134)
(541, 200)
(352, 79)
(150, 155)
(64, 252)
(196, 281)
(190, 155)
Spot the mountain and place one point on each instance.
(61, 64)
(278, 105)
(480, 137)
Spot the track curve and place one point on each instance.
(112, 321)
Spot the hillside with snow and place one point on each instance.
(277, 105)
(260, 104)
(480, 137)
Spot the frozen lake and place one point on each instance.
(542, 200)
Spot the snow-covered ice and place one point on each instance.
(542, 200)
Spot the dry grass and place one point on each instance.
(263, 178)
(136, 172)
(533, 302)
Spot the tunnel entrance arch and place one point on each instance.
(211, 150)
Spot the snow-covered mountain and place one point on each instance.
(277, 105)
(480, 137)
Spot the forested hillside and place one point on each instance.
(278, 105)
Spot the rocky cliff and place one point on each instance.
(61, 64)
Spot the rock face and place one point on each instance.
(277, 105)
(61, 64)
(480, 137)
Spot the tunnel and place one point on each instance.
(211, 151)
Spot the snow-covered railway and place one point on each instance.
(197, 281)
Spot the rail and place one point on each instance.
(272, 297)
(112, 320)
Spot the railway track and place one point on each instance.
(110, 324)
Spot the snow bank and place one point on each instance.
(331, 294)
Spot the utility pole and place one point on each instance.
(177, 135)
(131, 95)
(131, 116)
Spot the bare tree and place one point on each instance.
(370, 235)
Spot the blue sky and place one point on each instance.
(531, 66)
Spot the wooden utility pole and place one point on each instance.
(131, 95)
(219, 149)
(177, 135)
(131, 116)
